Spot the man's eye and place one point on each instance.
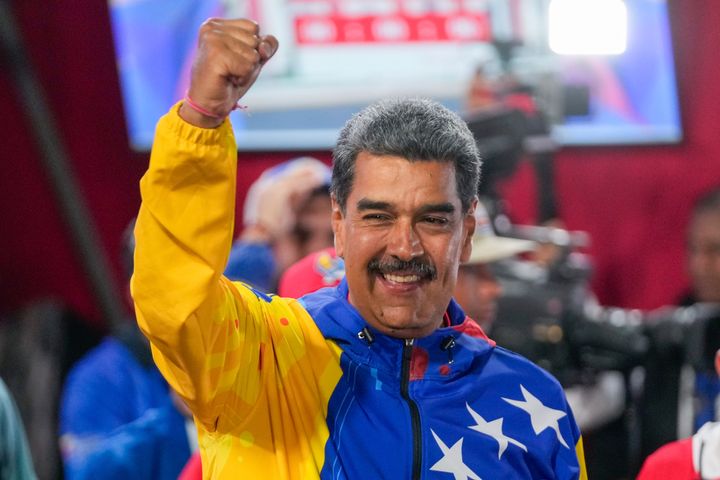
(436, 220)
(376, 217)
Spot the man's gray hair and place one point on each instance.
(414, 129)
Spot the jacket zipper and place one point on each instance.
(414, 412)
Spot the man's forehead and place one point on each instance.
(372, 168)
(705, 224)
(709, 217)
(365, 155)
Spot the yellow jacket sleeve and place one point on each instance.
(196, 320)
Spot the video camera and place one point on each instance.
(548, 315)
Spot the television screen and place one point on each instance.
(337, 56)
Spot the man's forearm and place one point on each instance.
(185, 225)
(183, 236)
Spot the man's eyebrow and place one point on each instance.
(367, 204)
(437, 208)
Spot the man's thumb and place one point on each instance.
(268, 47)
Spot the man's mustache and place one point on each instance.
(416, 266)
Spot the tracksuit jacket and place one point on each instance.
(297, 389)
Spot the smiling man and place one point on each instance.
(383, 376)
(401, 230)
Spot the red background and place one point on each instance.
(633, 201)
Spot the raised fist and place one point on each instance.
(229, 58)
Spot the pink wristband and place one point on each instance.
(190, 103)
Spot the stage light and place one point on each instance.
(587, 27)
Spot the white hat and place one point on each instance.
(488, 247)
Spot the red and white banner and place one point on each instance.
(389, 21)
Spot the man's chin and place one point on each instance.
(406, 331)
(404, 323)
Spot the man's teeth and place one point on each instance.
(401, 278)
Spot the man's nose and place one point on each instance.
(404, 242)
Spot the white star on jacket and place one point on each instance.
(494, 430)
(541, 416)
(451, 461)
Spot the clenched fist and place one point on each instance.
(229, 58)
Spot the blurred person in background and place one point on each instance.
(118, 417)
(477, 289)
(682, 387)
(315, 271)
(703, 249)
(15, 460)
(286, 216)
(703, 262)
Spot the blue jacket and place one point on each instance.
(450, 403)
(117, 420)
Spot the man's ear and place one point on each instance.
(468, 231)
(338, 226)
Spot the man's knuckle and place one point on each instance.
(253, 26)
(209, 25)
(209, 37)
